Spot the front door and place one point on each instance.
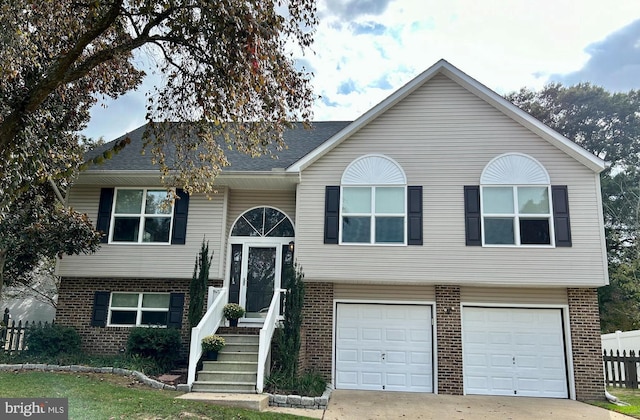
(261, 245)
(260, 276)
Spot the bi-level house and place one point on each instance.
(450, 242)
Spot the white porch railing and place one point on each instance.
(266, 334)
(207, 325)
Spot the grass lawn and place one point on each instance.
(631, 396)
(104, 396)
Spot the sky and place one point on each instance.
(364, 50)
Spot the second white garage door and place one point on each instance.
(514, 351)
(384, 347)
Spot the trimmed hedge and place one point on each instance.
(52, 339)
(160, 344)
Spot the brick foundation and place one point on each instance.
(449, 332)
(584, 320)
(75, 306)
(317, 322)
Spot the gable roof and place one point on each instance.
(299, 142)
(445, 68)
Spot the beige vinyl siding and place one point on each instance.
(205, 220)
(513, 295)
(443, 136)
(241, 201)
(388, 292)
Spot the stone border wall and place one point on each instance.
(298, 401)
(88, 369)
(275, 400)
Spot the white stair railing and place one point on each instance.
(208, 325)
(266, 334)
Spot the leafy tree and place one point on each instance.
(608, 125)
(223, 63)
(39, 229)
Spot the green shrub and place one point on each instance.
(310, 384)
(160, 344)
(198, 287)
(52, 340)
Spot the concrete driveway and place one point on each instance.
(365, 405)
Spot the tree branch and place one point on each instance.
(11, 125)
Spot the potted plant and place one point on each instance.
(233, 311)
(211, 345)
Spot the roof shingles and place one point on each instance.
(299, 142)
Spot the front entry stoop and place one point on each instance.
(235, 371)
(258, 402)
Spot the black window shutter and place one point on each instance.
(414, 214)
(176, 304)
(104, 213)
(562, 225)
(331, 214)
(472, 225)
(180, 211)
(100, 309)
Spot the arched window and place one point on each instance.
(516, 207)
(373, 202)
(265, 222)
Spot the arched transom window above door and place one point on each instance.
(263, 222)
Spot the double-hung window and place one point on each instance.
(516, 215)
(373, 214)
(516, 202)
(373, 202)
(141, 216)
(137, 309)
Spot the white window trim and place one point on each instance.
(517, 216)
(139, 309)
(373, 215)
(372, 171)
(142, 217)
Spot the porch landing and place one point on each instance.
(258, 402)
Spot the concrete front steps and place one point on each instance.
(236, 369)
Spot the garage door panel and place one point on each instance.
(374, 334)
(347, 355)
(345, 333)
(396, 380)
(500, 360)
(371, 356)
(502, 385)
(421, 358)
(499, 338)
(396, 357)
(402, 334)
(420, 337)
(523, 352)
(396, 335)
(348, 379)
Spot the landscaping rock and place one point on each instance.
(10, 367)
(183, 388)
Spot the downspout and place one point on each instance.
(613, 399)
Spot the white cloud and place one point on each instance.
(505, 44)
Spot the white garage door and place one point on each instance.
(384, 347)
(510, 351)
